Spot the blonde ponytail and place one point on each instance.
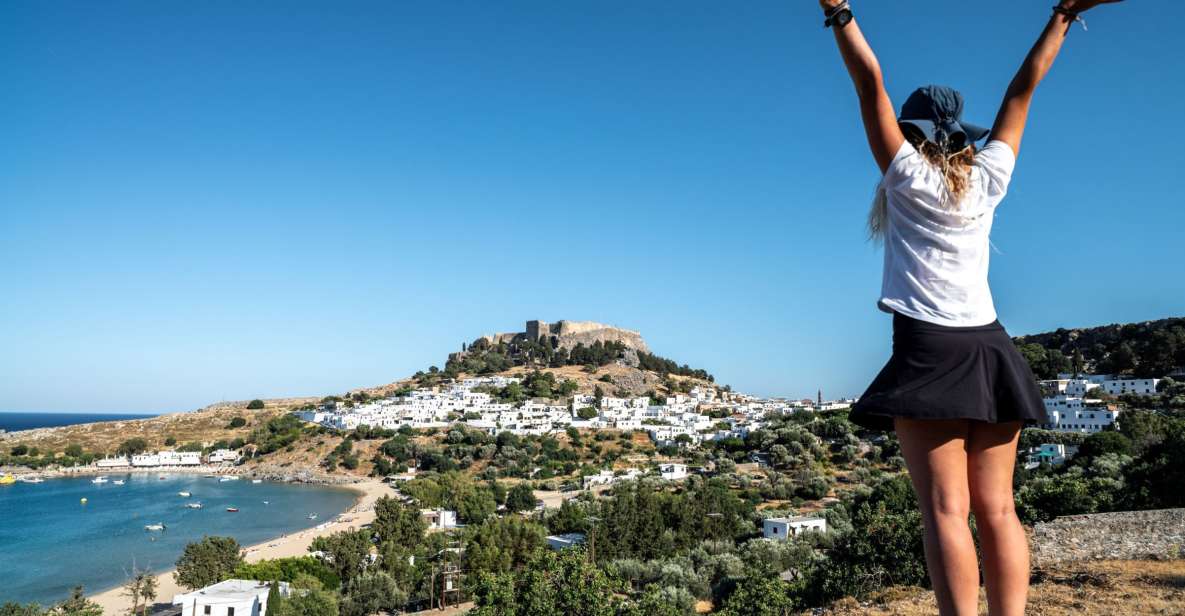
(956, 173)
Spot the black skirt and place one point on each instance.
(941, 372)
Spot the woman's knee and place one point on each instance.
(949, 504)
(994, 509)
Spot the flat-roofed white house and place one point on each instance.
(1142, 387)
(784, 528)
(564, 541)
(223, 455)
(116, 462)
(439, 518)
(228, 598)
(146, 459)
(673, 471)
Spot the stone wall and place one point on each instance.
(568, 334)
(1119, 535)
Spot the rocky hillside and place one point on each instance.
(1098, 588)
(207, 425)
(1151, 349)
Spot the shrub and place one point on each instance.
(255, 405)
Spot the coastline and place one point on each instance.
(239, 470)
(115, 602)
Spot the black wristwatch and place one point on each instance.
(840, 19)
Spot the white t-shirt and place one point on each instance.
(936, 257)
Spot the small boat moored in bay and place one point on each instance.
(193, 505)
(232, 509)
(118, 482)
(99, 479)
(159, 526)
(185, 494)
(228, 478)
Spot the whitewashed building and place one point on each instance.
(1139, 387)
(222, 456)
(114, 462)
(228, 598)
(439, 518)
(672, 471)
(784, 528)
(1071, 414)
(564, 541)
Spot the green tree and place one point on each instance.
(1154, 479)
(554, 584)
(398, 523)
(884, 548)
(307, 598)
(16, 609)
(763, 596)
(502, 544)
(255, 405)
(140, 587)
(370, 593)
(348, 551)
(1101, 443)
(520, 498)
(132, 447)
(236, 422)
(288, 570)
(77, 605)
(275, 601)
(208, 561)
(74, 450)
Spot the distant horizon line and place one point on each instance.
(152, 413)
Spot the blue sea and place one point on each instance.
(51, 542)
(21, 420)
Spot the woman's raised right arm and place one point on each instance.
(1014, 112)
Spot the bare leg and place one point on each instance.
(935, 454)
(991, 456)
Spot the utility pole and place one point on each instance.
(592, 539)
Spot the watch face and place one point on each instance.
(843, 18)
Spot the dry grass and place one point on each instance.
(1103, 588)
(206, 426)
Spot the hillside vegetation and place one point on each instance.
(1151, 349)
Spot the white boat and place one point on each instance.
(154, 527)
(31, 480)
(99, 480)
(256, 481)
(312, 516)
(229, 478)
(185, 494)
(194, 505)
(118, 482)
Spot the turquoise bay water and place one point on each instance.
(49, 542)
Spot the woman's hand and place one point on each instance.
(827, 5)
(1081, 6)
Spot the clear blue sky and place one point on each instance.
(226, 200)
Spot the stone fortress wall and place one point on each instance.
(568, 334)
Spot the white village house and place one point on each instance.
(784, 528)
(228, 598)
(439, 518)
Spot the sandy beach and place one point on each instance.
(115, 603)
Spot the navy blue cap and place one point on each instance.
(937, 111)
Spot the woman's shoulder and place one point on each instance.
(997, 161)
